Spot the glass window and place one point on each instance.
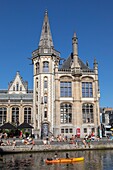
(66, 130)
(17, 87)
(85, 130)
(87, 89)
(27, 115)
(45, 99)
(20, 88)
(37, 68)
(62, 130)
(45, 113)
(13, 88)
(45, 83)
(87, 113)
(66, 113)
(65, 89)
(45, 66)
(71, 130)
(3, 114)
(15, 115)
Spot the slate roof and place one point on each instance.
(67, 64)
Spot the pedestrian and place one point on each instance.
(14, 144)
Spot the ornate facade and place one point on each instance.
(16, 103)
(65, 98)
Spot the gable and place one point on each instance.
(17, 86)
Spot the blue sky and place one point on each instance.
(20, 29)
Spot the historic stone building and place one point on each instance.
(16, 103)
(66, 98)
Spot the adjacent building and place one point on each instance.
(65, 98)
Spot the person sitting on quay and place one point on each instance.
(2, 143)
(8, 142)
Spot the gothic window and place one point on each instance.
(37, 96)
(27, 115)
(45, 83)
(65, 89)
(15, 115)
(37, 84)
(87, 89)
(37, 68)
(66, 113)
(45, 66)
(3, 113)
(13, 88)
(45, 99)
(20, 88)
(17, 87)
(87, 113)
(45, 113)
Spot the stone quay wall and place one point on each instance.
(39, 147)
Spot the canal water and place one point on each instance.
(94, 160)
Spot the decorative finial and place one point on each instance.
(46, 12)
(75, 35)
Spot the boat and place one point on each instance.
(64, 160)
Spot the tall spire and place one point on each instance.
(46, 38)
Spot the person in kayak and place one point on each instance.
(67, 156)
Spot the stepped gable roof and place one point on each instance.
(67, 63)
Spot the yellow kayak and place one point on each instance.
(64, 160)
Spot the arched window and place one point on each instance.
(37, 68)
(45, 66)
(66, 113)
(17, 87)
(13, 88)
(45, 83)
(27, 114)
(15, 115)
(45, 99)
(20, 88)
(3, 114)
(87, 113)
(45, 112)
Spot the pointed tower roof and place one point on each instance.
(45, 46)
(46, 38)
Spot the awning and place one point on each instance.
(7, 126)
(25, 126)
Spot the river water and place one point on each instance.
(94, 160)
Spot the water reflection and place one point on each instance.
(94, 160)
